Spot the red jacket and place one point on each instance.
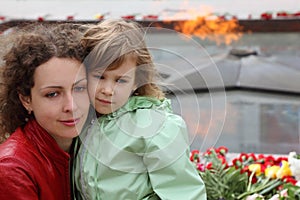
(33, 166)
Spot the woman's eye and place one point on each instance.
(51, 94)
(79, 88)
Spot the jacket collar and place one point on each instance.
(141, 102)
(44, 142)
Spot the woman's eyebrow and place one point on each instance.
(79, 81)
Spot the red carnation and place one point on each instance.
(266, 16)
(129, 17)
(40, 19)
(70, 18)
(209, 165)
(150, 17)
(222, 150)
(289, 179)
(194, 156)
(297, 14)
(243, 157)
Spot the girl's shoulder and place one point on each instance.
(143, 114)
(145, 102)
(148, 113)
(145, 106)
(142, 104)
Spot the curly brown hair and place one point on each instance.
(111, 41)
(27, 49)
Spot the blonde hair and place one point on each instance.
(111, 41)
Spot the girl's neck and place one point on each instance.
(98, 115)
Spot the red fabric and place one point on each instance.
(33, 166)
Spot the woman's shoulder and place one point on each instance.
(14, 150)
(15, 141)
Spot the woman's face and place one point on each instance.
(110, 89)
(59, 99)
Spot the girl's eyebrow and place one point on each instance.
(124, 76)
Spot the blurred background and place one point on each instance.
(232, 68)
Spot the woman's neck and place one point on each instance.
(64, 143)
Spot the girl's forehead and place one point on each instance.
(124, 62)
(103, 69)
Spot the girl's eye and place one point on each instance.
(122, 81)
(51, 94)
(79, 88)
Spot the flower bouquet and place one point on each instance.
(247, 176)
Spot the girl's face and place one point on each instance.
(110, 89)
(59, 99)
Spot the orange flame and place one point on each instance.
(219, 30)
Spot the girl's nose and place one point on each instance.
(107, 89)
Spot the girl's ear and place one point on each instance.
(26, 101)
(134, 88)
(134, 91)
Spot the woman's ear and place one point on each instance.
(26, 102)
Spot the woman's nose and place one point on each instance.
(69, 105)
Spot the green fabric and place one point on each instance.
(139, 152)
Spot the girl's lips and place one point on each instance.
(71, 122)
(104, 101)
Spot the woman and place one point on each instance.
(44, 104)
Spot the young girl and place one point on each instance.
(136, 148)
(43, 106)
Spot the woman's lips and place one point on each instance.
(70, 122)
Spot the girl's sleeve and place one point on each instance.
(170, 170)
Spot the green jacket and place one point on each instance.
(139, 152)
